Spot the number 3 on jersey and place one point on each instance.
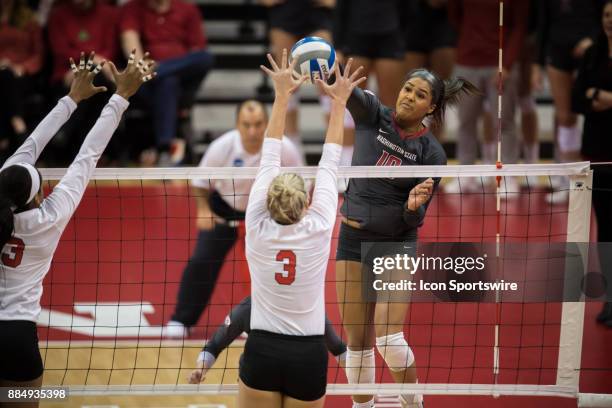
(12, 257)
(287, 257)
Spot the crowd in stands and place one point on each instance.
(458, 37)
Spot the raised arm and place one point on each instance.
(81, 89)
(284, 85)
(68, 193)
(325, 196)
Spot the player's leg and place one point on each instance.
(357, 317)
(414, 60)
(442, 61)
(35, 383)
(289, 402)
(201, 274)
(389, 67)
(20, 360)
(251, 398)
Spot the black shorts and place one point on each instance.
(375, 46)
(295, 366)
(20, 358)
(300, 17)
(350, 240)
(428, 29)
(560, 57)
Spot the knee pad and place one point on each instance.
(360, 368)
(527, 104)
(395, 351)
(569, 139)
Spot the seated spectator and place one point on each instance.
(77, 25)
(172, 30)
(21, 51)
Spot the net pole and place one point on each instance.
(499, 165)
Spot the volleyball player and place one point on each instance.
(387, 211)
(31, 225)
(221, 205)
(287, 248)
(237, 322)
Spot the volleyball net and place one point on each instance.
(115, 276)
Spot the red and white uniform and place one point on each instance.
(27, 256)
(288, 262)
(227, 151)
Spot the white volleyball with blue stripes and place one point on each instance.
(315, 58)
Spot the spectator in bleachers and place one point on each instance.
(592, 96)
(21, 52)
(566, 28)
(378, 46)
(173, 32)
(73, 26)
(477, 23)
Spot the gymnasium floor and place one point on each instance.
(120, 262)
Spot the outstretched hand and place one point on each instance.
(82, 86)
(283, 77)
(134, 75)
(345, 82)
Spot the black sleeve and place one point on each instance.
(580, 103)
(363, 106)
(334, 344)
(238, 321)
(414, 219)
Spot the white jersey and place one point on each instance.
(227, 151)
(287, 263)
(26, 258)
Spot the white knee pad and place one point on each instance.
(294, 102)
(527, 104)
(395, 351)
(360, 366)
(569, 139)
(368, 404)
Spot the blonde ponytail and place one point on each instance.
(287, 198)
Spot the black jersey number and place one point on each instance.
(287, 257)
(14, 254)
(387, 159)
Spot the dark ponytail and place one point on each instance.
(453, 90)
(443, 93)
(15, 186)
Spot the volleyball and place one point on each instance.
(315, 58)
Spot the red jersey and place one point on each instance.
(477, 22)
(22, 46)
(72, 30)
(165, 35)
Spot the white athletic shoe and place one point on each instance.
(175, 330)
